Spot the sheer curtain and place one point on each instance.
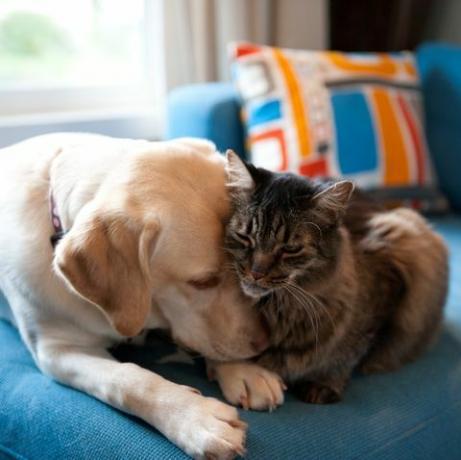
(196, 32)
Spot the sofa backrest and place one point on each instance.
(440, 70)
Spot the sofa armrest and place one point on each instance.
(210, 111)
(440, 69)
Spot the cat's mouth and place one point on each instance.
(261, 288)
(252, 289)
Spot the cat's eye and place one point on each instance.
(205, 283)
(243, 238)
(292, 250)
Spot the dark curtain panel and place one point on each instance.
(377, 25)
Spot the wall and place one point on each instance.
(444, 22)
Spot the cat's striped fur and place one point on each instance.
(342, 283)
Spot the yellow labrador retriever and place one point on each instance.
(137, 234)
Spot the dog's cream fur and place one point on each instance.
(144, 220)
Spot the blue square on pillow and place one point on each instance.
(260, 113)
(355, 135)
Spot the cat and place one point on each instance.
(342, 284)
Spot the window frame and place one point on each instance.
(129, 110)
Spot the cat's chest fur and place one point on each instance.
(312, 331)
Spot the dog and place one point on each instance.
(102, 238)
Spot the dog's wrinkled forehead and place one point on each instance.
(184, 190)
(176, 176)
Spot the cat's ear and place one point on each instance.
(239, 178)
(331, 203)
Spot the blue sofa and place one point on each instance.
(414, 413)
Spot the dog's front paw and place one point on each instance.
(249, 385)
(204, 428)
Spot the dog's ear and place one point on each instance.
(105, 259)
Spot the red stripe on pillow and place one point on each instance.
(243, 50)
(314, 168)
(415, 138)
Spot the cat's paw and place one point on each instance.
(249, 385)
(316, 393)
(378, 363)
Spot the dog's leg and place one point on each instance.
(248, 384)
(202, 427)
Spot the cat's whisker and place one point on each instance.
(305, 304)
(314, 312)
(317, 302)
(318, 305)
(326, 312)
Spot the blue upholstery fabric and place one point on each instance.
(414, 413)
(440, 68)
(209, 110)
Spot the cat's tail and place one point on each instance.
(421, 257)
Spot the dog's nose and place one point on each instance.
(261, 344)
(261, 340)
(257, 275)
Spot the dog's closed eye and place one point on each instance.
(205, 283)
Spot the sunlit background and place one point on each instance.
(49, 42)
(109, 65)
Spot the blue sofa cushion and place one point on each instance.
(440, 69)
(414, 413)
(211, 110)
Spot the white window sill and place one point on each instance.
(129, 123)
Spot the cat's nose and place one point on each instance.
(260, 265)
(257, 275)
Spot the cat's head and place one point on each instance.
(284, 228)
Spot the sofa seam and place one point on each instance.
(11, 453)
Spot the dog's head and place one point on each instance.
(151, 239)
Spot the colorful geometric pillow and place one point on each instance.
(324, 113)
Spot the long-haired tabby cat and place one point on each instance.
(341, 284)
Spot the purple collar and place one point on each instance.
(55, 221)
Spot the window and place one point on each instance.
(67, 64)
